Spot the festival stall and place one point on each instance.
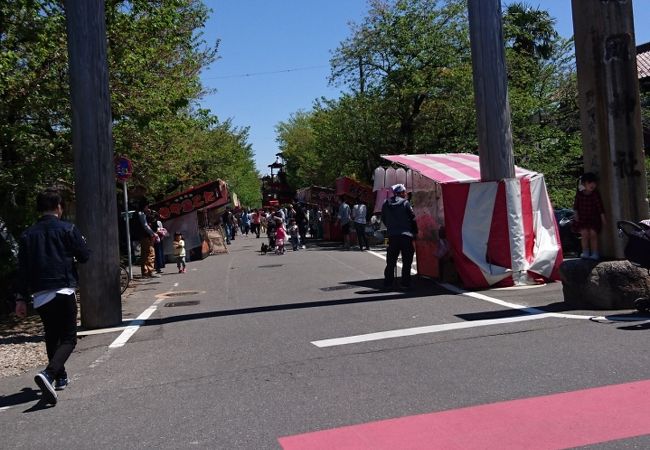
(497, 232)
(187, 212)
(350, 189)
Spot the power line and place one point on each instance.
(254, 74)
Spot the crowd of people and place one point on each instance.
(283, 226)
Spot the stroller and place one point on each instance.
(637, 251)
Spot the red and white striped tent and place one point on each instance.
(501, 232)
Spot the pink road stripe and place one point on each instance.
(555, 421)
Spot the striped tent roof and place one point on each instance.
(448, 167)
(643, 61)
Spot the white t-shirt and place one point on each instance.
(43, 297)
(359, 213)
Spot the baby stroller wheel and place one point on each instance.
(642, 304)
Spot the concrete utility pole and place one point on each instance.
(491, 90)
(610, 112)
(93, 162)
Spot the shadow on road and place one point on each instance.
(26, 395)
(381, 295)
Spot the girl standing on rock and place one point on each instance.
(589, 215)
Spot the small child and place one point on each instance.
(179, 251)
(589, 215)
(294, 234)
(280, 236)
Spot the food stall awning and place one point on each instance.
(449, 167)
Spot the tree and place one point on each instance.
(543, 98)
(404, 51)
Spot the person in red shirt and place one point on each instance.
(589, 215)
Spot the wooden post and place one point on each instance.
(610, 113)
(491, 90)
(93, 162)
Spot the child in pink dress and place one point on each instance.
(280, 237)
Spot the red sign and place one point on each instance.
(190, 200)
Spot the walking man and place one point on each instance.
(148, 239)
(46, 270)
(344, 216)
(359, 212)
(399, 218)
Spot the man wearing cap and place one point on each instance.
(399, 218)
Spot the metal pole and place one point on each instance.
(127, 216)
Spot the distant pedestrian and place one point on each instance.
(294, 234)
(399, 218)
(46, 271)
(589, 215)
(344, 220)
(280, 236)
(147, 241)
(359, 213)
(226, 222)
(179, 251)
(255, 223)
(159, 249)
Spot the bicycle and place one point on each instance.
(124, 279)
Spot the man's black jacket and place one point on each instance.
(47, 253)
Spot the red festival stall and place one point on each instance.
(499, 233)
(350, 189)
(180, 213)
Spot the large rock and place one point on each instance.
(604, 285)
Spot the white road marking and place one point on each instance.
(104, 330)
(131, 329)
(390, 334)
(530, 313)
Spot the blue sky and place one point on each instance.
(274, 57)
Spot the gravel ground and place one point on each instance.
(21, 345)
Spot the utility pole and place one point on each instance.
(610, 113)
(93, 162)
(491, 90)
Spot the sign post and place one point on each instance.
(123, 171)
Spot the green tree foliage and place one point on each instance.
(543, 97)
(406, 51)
(407, 70)
(155, 54)
(34, 113)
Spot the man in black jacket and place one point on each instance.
(46, 271)
(399, 218)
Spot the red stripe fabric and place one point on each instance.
(498, 248)
(454, 208)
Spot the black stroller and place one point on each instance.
(637, 251)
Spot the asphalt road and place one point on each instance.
(303, 351)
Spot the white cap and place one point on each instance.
(397, 188)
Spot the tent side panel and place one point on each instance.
(455, 199)
(498, 246)
(425, 204)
